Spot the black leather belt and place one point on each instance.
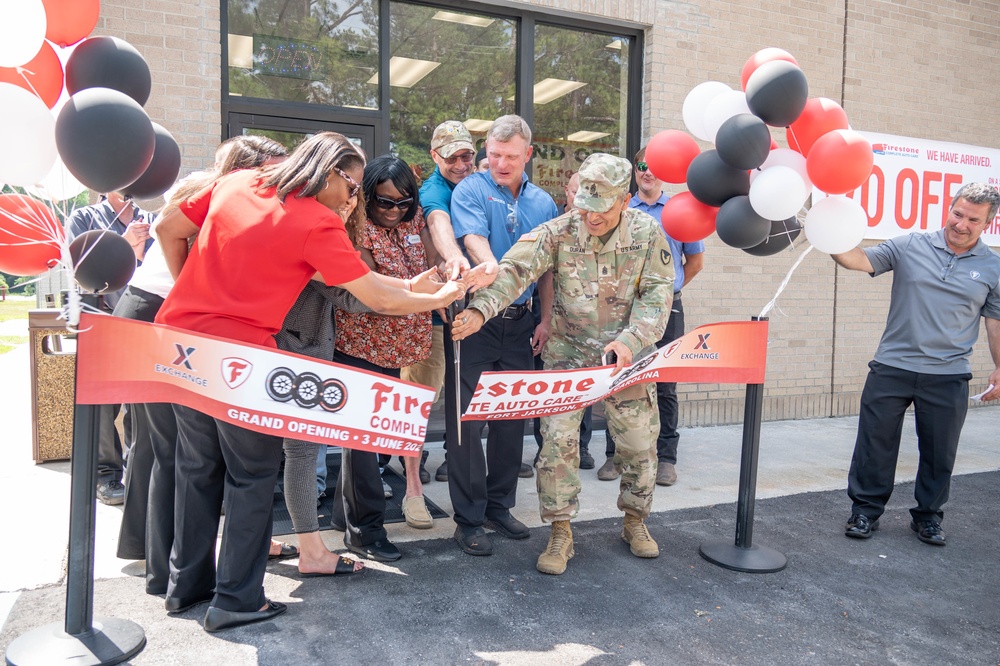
(515, 311)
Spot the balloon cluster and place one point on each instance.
(748, 189)
(69, 127)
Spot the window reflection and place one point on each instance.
(468, 73)
(580, 102)
(318, 52)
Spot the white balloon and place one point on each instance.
(836, 224)
(695, 105)
(22, 31)
(784, 157)
(722, 108)
(58, 185)
(777, 193)
(27, 137)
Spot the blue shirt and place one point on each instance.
(677, 249)
(435, 193)
(479, 206)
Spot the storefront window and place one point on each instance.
(446, 65)
(317, 51)
(580, 101)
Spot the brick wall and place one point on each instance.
(913, 69)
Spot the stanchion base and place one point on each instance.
(755, 559)
(111, 641)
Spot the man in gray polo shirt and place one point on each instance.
(943, 283)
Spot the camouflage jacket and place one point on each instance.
(620, 290)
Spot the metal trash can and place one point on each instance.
(53, 385)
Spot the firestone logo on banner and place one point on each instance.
(235, 371)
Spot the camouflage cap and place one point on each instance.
(603, 180)
(450, 137)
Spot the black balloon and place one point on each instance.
(103, 261)
(162, 171)
(713, 182)
(777, 93)
(105, 139)
(743, 141)
(108, 62)
(783, 232)
(739, 226)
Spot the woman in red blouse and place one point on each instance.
(395, 243)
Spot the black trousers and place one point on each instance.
(666, 396)
(940, 403)
(219, 463)
(482, 483)
(142, 306)
(162, 424)
(359, 489)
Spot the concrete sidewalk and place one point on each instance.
(889, 599)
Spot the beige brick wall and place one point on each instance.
(181, 41)
(913, 69)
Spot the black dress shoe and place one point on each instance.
(473, 540)
(507, 525)
(380, 551)
(860, 526)
(442, 472)
(928, 531)
(526, 471)
(586, 460)
(180, 604)
(217, 619)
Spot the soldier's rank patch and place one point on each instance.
(665, 256)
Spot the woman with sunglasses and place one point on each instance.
(395, 242)
(263, 236)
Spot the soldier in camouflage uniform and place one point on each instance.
(613, 282)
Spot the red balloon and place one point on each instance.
(41, 76)
(759, 58)
(30, 236)
(820, 116)
(69, 21)
(669, 154)
(840, 161)
(686, 219)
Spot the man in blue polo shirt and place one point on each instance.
(688, 262)
(943, 282)
(490, 211)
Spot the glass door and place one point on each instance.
(290, 132)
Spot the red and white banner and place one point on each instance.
(269, 391)
(914, 181)
(725, 353)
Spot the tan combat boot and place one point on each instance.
(636, 535)
(559, 551)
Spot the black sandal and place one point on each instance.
(287, 552)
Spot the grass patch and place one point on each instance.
(16, 307)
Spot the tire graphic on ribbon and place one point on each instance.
(307, 389)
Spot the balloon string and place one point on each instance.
(784, 283)
(791, 135)
(27, 81)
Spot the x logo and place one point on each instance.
(184, 356)
(703, 341)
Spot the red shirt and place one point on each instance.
(390, 342)
(253, 257)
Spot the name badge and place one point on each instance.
(631, 248)
(413, 239)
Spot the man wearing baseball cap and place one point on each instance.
(613, 278)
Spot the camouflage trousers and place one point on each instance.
(634, 422)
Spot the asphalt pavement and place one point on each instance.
(887, 600)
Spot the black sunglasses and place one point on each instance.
(389, 204)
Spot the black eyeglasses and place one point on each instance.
(389, 204)
(353, 184)
(641, 167)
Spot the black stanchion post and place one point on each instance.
(81, 640)
(743, 555)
